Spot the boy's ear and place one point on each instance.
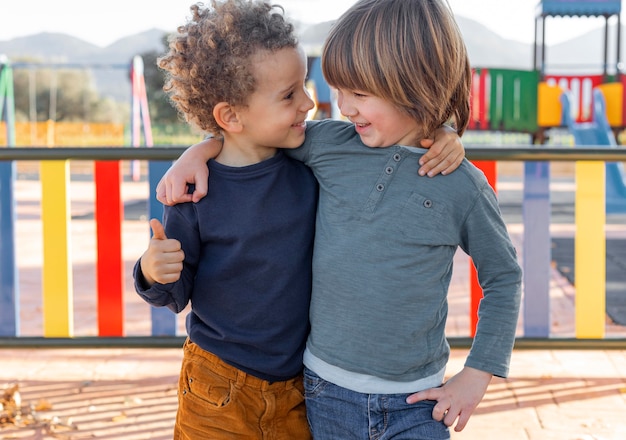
(226, 117)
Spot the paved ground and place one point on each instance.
(130, 393)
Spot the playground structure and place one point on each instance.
(502, 100)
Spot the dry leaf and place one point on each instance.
(10, 404)
(42, 405)
(119, 418)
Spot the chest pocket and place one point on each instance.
(428, 221)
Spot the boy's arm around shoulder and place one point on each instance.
(445, 153)
(190, 169)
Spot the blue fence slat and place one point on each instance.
(163, 319)
(9, 292)
(537, 249)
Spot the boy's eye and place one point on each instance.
(289, 95)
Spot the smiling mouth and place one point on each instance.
(360, 124)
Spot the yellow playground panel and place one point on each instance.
(67, 134)
(614, 97)
(550, 111)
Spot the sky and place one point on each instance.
(104, 22)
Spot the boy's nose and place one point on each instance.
(344, 104)
(308, 103)
(346, 109)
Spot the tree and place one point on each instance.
(161, 110)
(68, 95)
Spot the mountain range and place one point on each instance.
(583, 54)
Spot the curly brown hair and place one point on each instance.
(209, 57)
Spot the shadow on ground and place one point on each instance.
(121, 409)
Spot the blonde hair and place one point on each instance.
(210, 57)
(409, 52)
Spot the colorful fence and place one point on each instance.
(58, 289)
(505, 100)
(57, 286)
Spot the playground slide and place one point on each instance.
(599, 132)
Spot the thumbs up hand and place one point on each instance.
(158, 231)
(163, 260)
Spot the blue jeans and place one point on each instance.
(338, 413)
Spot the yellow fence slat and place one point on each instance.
(58, 314)
(590, 250)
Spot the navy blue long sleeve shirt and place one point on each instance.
(247, 270)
